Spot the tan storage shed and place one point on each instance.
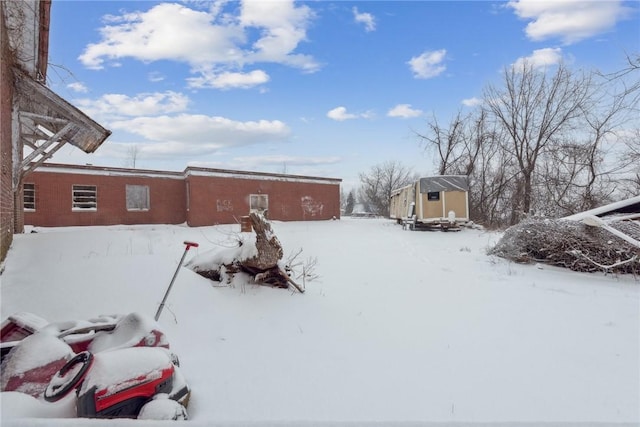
(432, 202)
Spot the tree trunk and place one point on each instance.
(268, 245)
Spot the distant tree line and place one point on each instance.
(546, 142)
(375, 188)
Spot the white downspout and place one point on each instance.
(444, 204)
(421, 215)
(466, 198)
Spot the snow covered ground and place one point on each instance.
(402, 326)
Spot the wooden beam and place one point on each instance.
(46, 155)
(41, 150)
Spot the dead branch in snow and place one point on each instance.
(302, 270)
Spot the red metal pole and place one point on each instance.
(186, 249)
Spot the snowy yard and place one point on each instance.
(401, 326)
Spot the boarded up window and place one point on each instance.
(29, 197)
(138, 198)
(84, 197)
(433, 195)
(259, 203)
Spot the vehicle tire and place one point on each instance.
(68, 377)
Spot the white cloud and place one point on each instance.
(569, 20)
(145, 104)
(283, 26)
(428, 64)
(166, 31)
(149, 120)
(540, 58)
(404, 111)
(472, 102)
(340, 114)
(184, 137)
(206, 40)
(155, 77)
(214, 132)
(78, 87)
(167, 149)
(229, 80)
(365, 18)
(367, 115)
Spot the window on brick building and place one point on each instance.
(29, 197)
(259, 203)
(137, 197)
(84, 198)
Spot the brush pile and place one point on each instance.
(573, 245)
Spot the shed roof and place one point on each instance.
(444, 183)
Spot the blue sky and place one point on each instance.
(315, 88)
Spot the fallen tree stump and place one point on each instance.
(267, 244)
(259, 259)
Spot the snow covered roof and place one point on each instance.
(189, 171)
(106, 171)
(628, 206)
(193, 170)
(444, 183)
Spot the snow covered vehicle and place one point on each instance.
(119, 366)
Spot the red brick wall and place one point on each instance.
(214, 198)
(6, 163)
(53, 191)
(223, 200)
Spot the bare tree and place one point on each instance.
(628, 77)
(631, 181)
(570, 180)
(632, 140)
(630, 83)
(471, 146)
(535, 109)
(586, 170)
(380, 181)
(604, 117)
(551, 142)
(133, 152)
(459, 145)
(445, 141)
(493, 184)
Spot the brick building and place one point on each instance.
(34, 121)
(67, 195)
(6, 152)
